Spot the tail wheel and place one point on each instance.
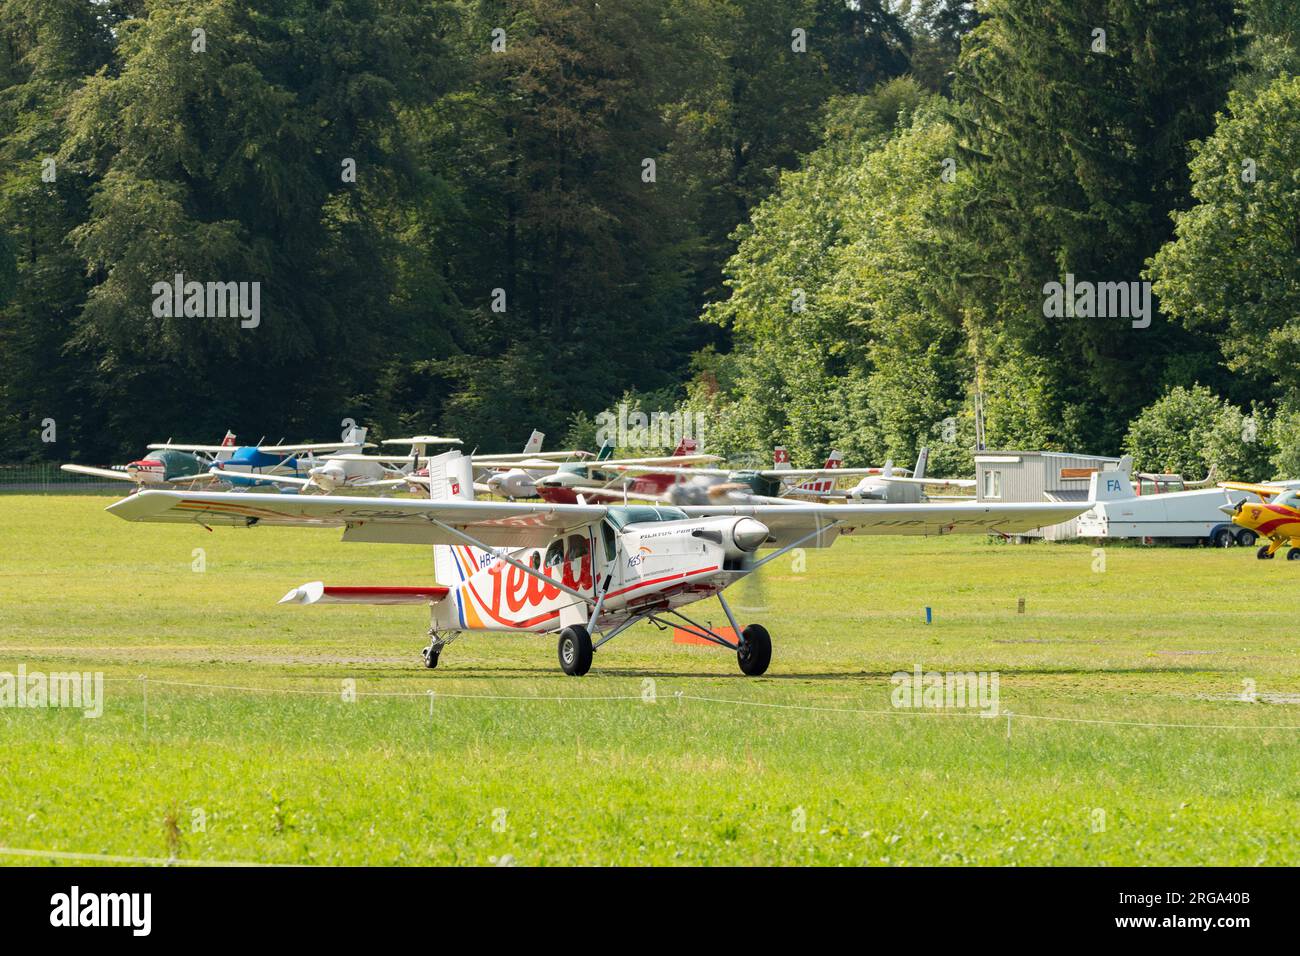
(1247, 538)
(755, 651)
(1263, 554)
(1293, 554)
(575, 650)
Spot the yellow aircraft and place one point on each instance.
(1278, 521)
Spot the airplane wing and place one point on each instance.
(173, 446)
(269, 449)
(943, 482)
(540, 457)
(789, 523)
(96, 472)
(652, 464)
(295, 449)
(387, 520)
(1264, 491)
(635, 466)
(423, 440)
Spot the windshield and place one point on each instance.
(622, 515)
(1289, 499)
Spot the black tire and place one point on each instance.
(755, 651)
(1223, 538)
(431, 656)
(1263, 554)
(1293, 554)
(574, 649)
(1247, 538)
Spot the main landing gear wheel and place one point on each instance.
(575, 650)
(1293, 554)
(1263, 554)
(755, 651)
(430, 655)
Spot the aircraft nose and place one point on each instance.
(748, 534)
(1229, 509)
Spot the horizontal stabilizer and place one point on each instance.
(318, 593)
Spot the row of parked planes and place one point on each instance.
(561, 477)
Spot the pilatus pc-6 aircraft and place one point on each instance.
(582, 572)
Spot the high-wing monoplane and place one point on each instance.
(576, 571)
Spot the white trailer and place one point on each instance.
(1178, 517)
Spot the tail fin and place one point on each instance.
(229, 440)
(834, 459)
(534, 443)
(606, 451)
(780, 458)
(1112, 485)
(451, 478)
(687, 446)
(922, 459)
(355, 435)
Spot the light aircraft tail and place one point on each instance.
(922, 459)
(606, 451)
(687, 446)
(534, 443)
(1112, 485)
(780, 458)
(822, 485)
(451, 478)
(355, 435)
(228, 446)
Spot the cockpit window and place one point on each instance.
(554, 554)
(577, 547)
(1288, 499)
(623, 515)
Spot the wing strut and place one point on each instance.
(513, 562)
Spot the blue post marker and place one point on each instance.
(929, 616)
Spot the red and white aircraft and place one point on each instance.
(580, 570)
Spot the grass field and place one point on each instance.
(518, 763)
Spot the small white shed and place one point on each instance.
(1021, 476)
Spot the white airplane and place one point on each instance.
(562, 483)
(574, 571)
(781, 484)
(897, 488)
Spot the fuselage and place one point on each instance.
(664, 563)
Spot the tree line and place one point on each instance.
(816, 223)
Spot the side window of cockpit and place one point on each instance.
(577, 547)
(607, 535)
(535, 560)
(554, 554)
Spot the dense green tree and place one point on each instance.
(1075, 119)
(1190, 431)
(1234, 267)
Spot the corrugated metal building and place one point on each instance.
(1015, 476)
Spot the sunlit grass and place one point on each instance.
(832, 776)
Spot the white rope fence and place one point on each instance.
(680, 696)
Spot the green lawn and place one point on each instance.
(291, 772)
